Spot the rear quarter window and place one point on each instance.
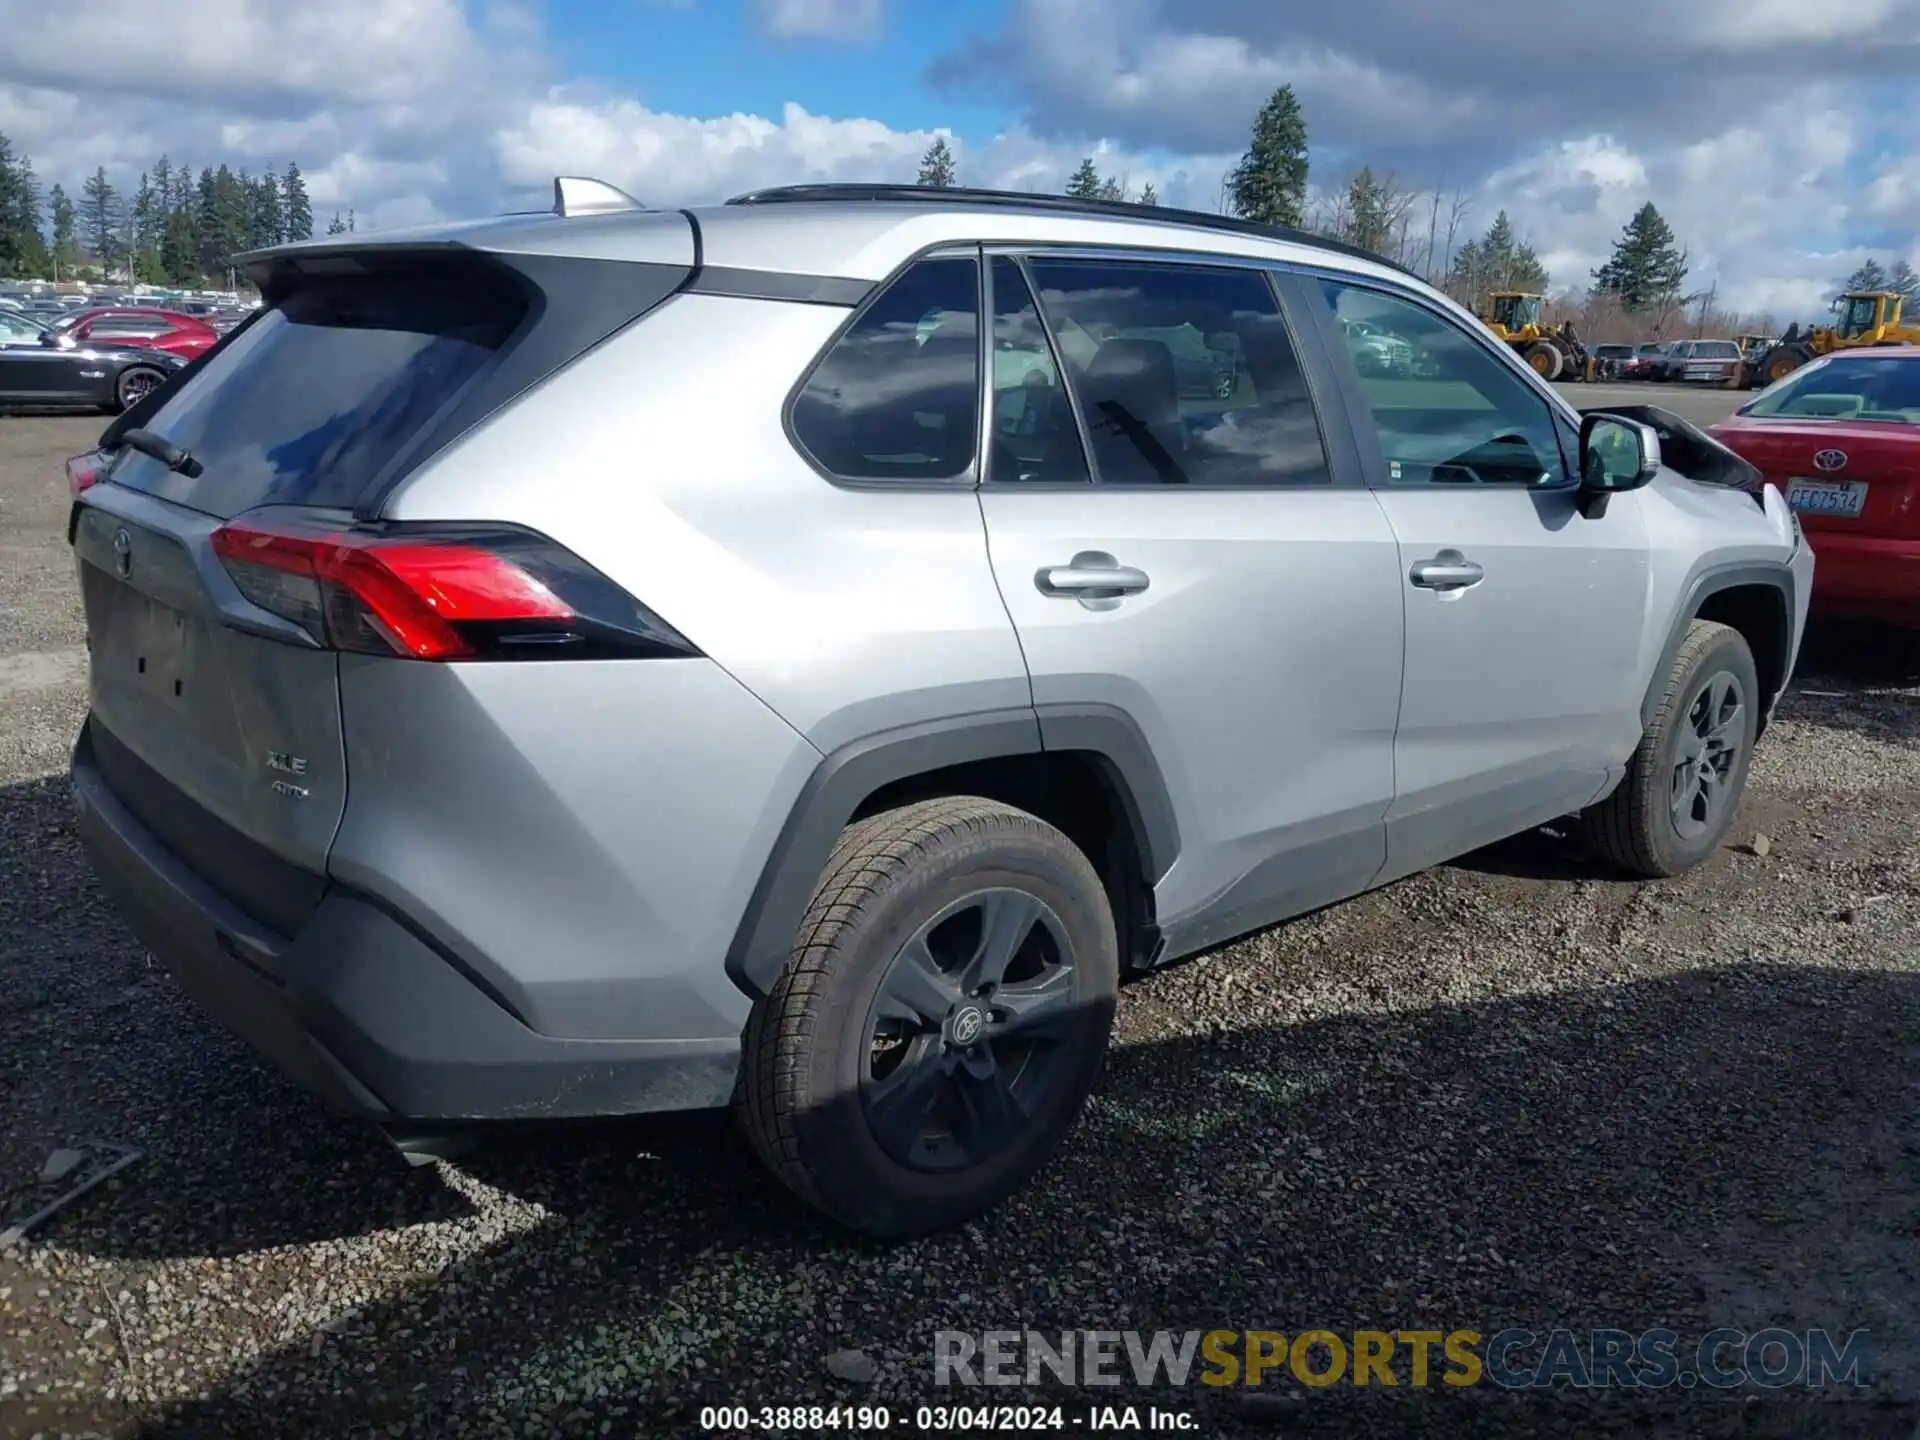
(328, 388)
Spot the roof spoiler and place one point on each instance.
(583, 195)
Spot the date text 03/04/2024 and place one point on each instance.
(937, 1419)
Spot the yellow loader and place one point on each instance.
(1867, 317)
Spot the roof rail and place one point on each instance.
(1066, 204)
(583, 195)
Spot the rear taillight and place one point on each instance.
(439, 592)
(86, 471)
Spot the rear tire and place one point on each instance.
(890, 1083)
(1683, 786)
(1545, 358)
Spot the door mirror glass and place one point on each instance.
(1617, 453)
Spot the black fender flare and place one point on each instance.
(1705, 585)
(846, 777)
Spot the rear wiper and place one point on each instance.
(176, 458)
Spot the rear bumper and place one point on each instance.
(364, 1012)
(1867, 576)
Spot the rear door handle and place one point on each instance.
(1449, 570)
(1091, 577)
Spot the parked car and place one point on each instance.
(816, 747)
(1375, 351)
(41, 367)
(1610, 361)
(1645, 361)
(1841, 437)
(168, 330)
(1694, 362)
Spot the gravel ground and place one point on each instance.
(1507, 1092)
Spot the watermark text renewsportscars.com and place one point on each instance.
(1513, 1359)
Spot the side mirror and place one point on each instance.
(62, 341)
(1615, 454)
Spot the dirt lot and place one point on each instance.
(1511, 1092)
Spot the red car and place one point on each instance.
(1842, 438)
(152, 328)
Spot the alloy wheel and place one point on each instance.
(964, 1033)
(1711, 737)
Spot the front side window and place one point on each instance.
(1466, 419)
(1860, 316)
(898, 395)
(1182, 374)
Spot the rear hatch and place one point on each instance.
(230, 547)
(1837, 475)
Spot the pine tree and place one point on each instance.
(100, 211)
(1113, 188)
(299, 210)
(1868, 277)
(23, 249)
(66, 233)
(1369, 220)
(1270, 182)
(1149, 195)
(336, 226)
(1648, 267)
(937, 170)
(146, 230)
(1085, 184)
(1903, 281)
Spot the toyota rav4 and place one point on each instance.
(801, 654)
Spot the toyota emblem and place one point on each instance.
(1831, 459)
(123, 553)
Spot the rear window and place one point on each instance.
(1847, 387)
(327, 389)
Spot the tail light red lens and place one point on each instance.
(86, 471)
(439, 592)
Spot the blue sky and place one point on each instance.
(697, 59)
(1776, 135)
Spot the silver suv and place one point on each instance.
(801, 654)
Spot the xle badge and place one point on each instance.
(288, 765)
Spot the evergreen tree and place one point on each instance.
(1149, 195)
(1868, 277)
(23, 249)
(1085, 184)
(266, 220)
(336, 226)
(1903, 281)
(100, 212)
(937, 170)
(299, 210)
(1498, 260)
(1369, 219)
(1113, 188)
(1648, 267)
(146, 229)
(66, 233)
(1270, 182)
(180, 239)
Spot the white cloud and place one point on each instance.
(822, 19)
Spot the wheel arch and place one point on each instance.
(1087, 769)
(1757, 601)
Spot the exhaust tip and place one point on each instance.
(423, 1147)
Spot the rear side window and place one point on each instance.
(1183, 374)
(898, 395)
(328, 388)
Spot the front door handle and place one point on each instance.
(1092, 577)
(1449, 570)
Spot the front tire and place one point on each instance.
(1683, 786)
(1545, 358)
(941, 1022)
